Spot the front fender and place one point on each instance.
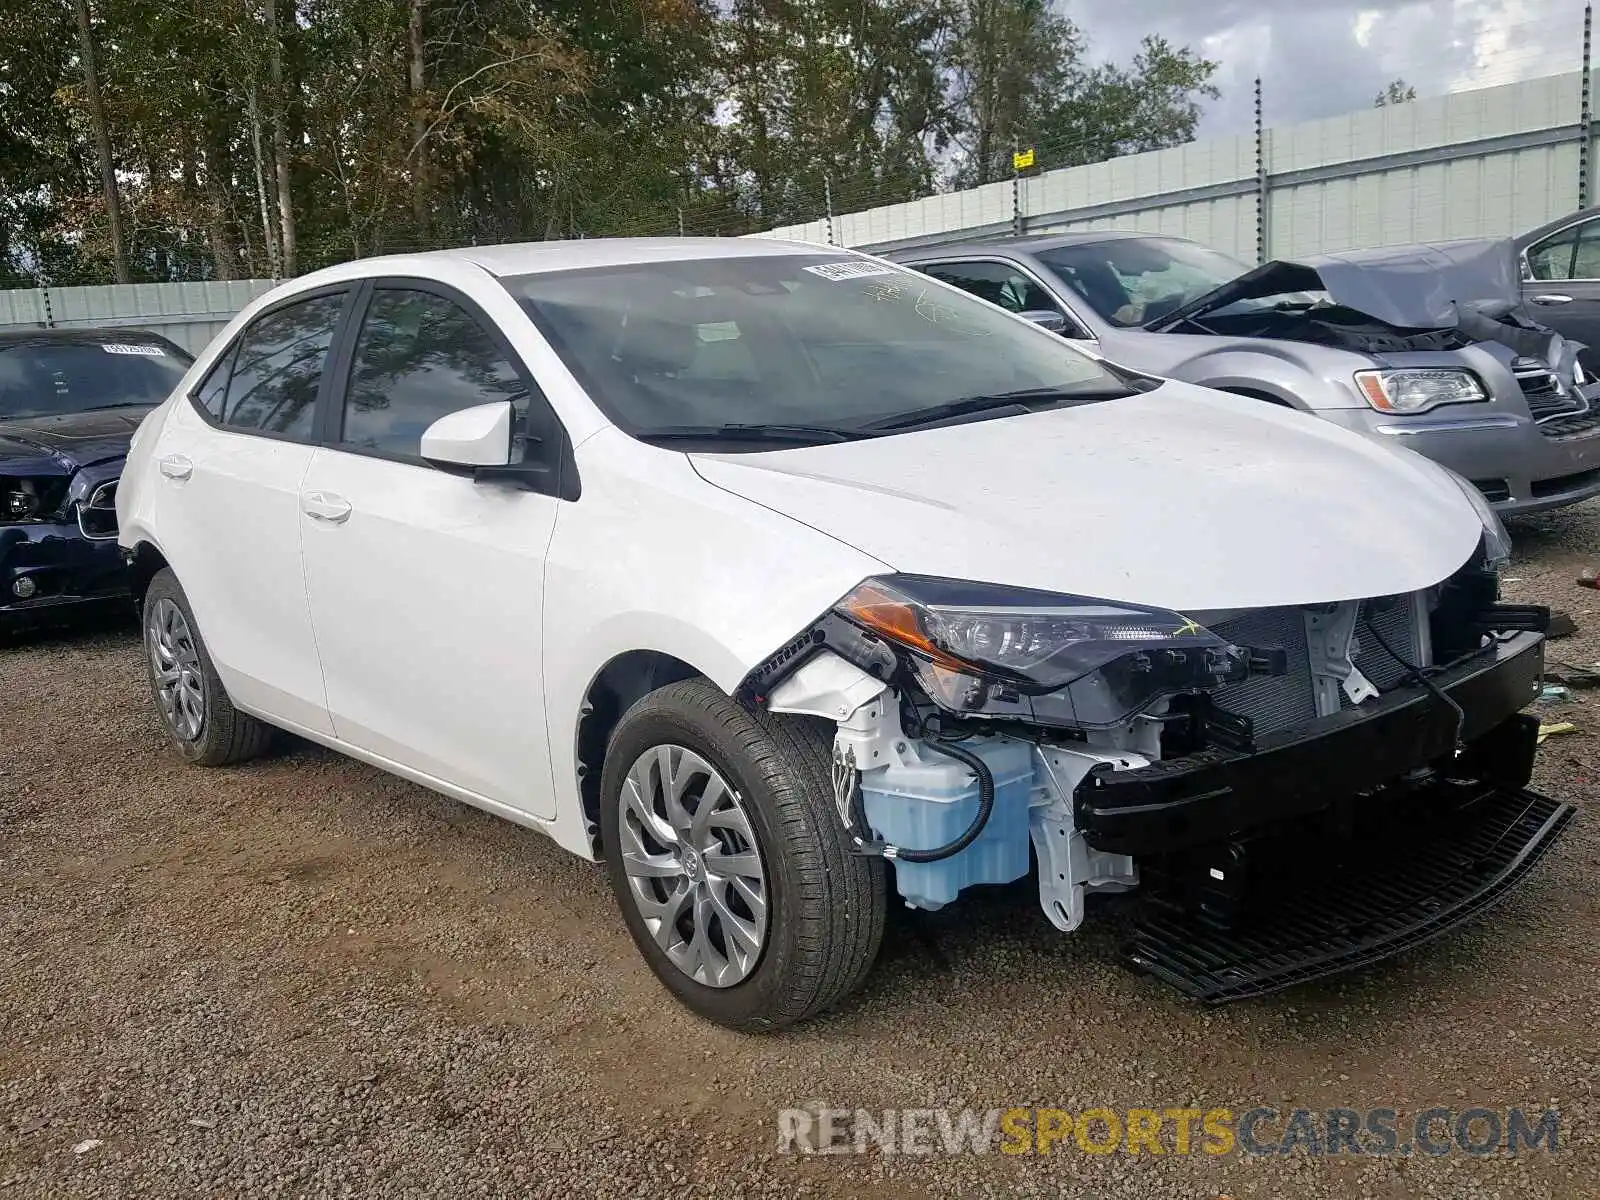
(1282, 373)
(655, 558)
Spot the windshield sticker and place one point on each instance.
(849, 269)
(129, 348)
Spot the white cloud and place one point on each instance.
(1319, 58)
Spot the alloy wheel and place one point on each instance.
(694, 869)
(175, 666)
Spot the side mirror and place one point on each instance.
(471, 437)
(1046, 318)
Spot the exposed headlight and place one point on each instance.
(971, 643)
(19, 499)
(1414, 391)
(1496, 541)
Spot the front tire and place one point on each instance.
(201, 722)
(728, 860)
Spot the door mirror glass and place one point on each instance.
(1045, 318)
(479, 436)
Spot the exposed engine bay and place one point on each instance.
(1217, 763)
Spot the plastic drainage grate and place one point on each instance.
(1352, 914)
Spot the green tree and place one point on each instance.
(1397, 92)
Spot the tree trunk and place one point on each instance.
(102, 142)
(280, 139)
(268, 238)
(214, 164)
(419, 125)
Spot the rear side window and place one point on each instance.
(420, 357)
(268, 382)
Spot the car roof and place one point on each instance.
(528, 258)
(1022, 245)
(1525, 240)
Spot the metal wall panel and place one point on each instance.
(1486, 163)
(190, 314)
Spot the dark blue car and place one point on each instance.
(70, 401)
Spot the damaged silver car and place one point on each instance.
(1427, 346)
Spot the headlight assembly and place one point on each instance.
(1415, 391)
(1496, 541)
(975, 645)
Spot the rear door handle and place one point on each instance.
(325, 506)
(1552, 299)
(177, 466)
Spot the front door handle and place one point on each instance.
(325, 506)
(177, 466)
(1551, 299)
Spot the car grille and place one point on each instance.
(1281, 702)
(97, 516)
(1546, 395)
(1575, 425)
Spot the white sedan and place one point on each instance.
(784, 579)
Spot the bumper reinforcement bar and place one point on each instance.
(1358, 913)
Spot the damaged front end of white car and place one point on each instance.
(1294, 790)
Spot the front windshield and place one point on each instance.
(50, 378)
(790, 340)
(1133, 281)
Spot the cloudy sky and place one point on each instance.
(1318, 58)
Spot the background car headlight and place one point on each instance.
(1414, 391)
(971, 643)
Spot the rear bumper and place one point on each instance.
(1522, 467)
(69, 573)
(1217, 795)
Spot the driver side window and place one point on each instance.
(419, 357)
(999, 283)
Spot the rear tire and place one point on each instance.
(201, 722)
(755, 915)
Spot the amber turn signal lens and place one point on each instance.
(892, 616)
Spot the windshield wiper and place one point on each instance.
(753, 432)
(1024, 400)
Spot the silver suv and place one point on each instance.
(1427, 346)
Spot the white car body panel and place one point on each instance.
(234, 522)
(426, 601)
(1076, 500)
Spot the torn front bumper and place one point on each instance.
(1335, 846)
(1324, 911)
(1218, 795)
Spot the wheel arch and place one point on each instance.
(624, 680)
(1250, 393)
(145, 560)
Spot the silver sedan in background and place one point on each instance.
(1426, 347)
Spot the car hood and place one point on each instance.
(64, 443)
(1182, 497)
(1470, 287)
(1422, 286)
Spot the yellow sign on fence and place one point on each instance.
(1021, 160)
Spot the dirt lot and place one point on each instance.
(304, 977)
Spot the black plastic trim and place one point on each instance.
(1216, 794)
(1360, 916)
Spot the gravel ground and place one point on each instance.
(303, 977)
